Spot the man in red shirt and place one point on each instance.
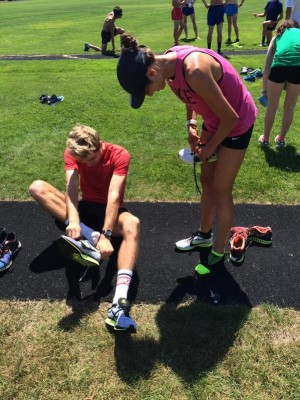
(99, 170)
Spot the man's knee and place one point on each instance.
(131, 226)
(37, 189)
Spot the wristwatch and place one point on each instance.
(107, 233)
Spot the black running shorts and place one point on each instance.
(285, 74)
(236, 142)
(93, 214)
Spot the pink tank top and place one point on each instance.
(230, 84)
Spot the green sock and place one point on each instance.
(213, 258)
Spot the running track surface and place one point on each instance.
(268, 275)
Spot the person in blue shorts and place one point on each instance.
(274, 13)
(189, 11)
(215, 16)
(231, 11)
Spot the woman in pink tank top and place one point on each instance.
(210, 87)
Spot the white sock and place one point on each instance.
(123, 281)
(91, 235)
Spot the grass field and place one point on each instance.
(190, 352)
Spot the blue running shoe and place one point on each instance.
(249, 78)
(86, 47)
(119, 319)
(9, 248)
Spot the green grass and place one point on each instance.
(190, 352)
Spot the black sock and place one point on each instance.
(206, 235)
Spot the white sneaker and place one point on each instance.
(80, 250)
(187, 156)
(195, 241)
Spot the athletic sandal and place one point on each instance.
(263, 100)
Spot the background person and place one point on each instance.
(231, 11)
(215, 16)
(273, 13)
(292, 10)
(189, 11)
(209, 86)
(100, 168)
(109, 31)
(282, 68)
(177, 18)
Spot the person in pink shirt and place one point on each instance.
(210, 87)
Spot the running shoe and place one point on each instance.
(80, 251)
(238, 244)
(86, 47)
(187, 156)
(8, 249)
(119, 319)
(256, 234)
(213, 261)
(263, 142)
(195, 241)
(279, 142)
(249, 78)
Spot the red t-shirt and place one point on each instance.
(95, 181)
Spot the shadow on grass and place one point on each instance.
(194, 336)
(286, 159)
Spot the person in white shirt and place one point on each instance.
(292, 10)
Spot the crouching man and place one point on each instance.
(99, 170)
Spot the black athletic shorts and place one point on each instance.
(236, 142)
(93, 214)
(106, 36)
(285, 74)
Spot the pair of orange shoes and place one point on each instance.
(242, 237)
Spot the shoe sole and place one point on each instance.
(237, 263)
(71, 252)
(111, 327)
(259, 241)
(194, 248)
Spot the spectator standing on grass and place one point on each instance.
(274, 13)
(282, 69)
(231, 11)
(177, 18)
(215, 16)
(292, 10)
(100, 168)
(109, 31)
(209, 86)
(189, 11)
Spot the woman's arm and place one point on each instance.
(201, 73)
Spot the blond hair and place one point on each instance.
(82, 141)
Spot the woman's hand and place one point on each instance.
(193, 138)
(205, 152)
